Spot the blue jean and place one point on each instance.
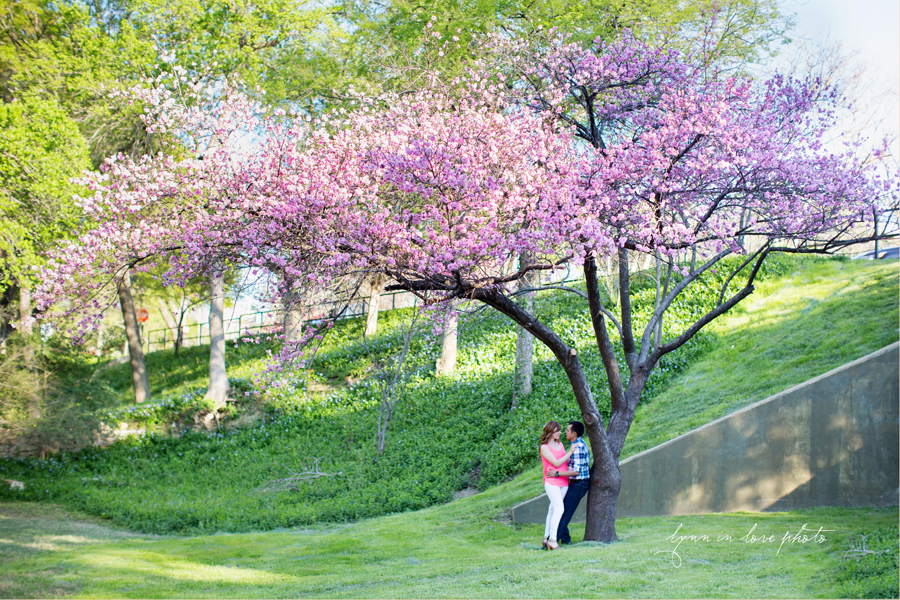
(577, 489)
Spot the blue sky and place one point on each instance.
(871, 27)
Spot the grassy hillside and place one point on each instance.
(792, 328)
(449, 433)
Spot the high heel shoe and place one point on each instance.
(544, 543)
(551, 545)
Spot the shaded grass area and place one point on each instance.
(465, 549)
(789, 331)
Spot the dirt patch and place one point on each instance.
(465, 493)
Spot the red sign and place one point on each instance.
(142, 314)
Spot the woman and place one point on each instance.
(553, 456)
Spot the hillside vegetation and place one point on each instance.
(449, 433)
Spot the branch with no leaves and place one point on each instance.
(860, 550)
(307, 475)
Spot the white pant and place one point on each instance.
(555, 512)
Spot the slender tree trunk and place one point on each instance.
(101, 328)
(25, 329)
(133, 336)
(25, 310)
(524, 359)
(524, 341)
(875, 216)
(218, 376)
(293, 315)
(169, 318)
(293, 323)
(8, 315)
(180, 311)
(446, 363)
(610, 279)
(376, 286)
(385, 412)
(657, 334)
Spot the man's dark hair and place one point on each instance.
(577, 427)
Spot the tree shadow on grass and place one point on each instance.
(34, 539)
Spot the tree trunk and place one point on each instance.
(25, 310)
(218, 376)
(601, 509)
(524, 359)
(100, 330)
(656, 332)
(875, 216)
(376, 286)
(180, 311)
(169, 318)
(25, 329)
(524, 341)
(610, 279)
(293, 323)
(602, 503)
(394, 386)
(133, 336)
(293, 315)
(6, 316)
(446, 363)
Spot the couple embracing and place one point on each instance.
(566, 479)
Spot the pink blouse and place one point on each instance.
(557, 481)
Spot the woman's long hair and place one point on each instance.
(549, 429)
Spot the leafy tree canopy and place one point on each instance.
(41, 149)
(745, 30)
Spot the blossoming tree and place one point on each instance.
(440, 189)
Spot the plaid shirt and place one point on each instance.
(581, 459)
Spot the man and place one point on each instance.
(579, 475)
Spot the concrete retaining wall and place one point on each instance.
(831, 441)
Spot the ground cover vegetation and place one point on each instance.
(449, 433)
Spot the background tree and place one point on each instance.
(524, 340)
(139, 376)
(72, 53)
(40, 150)
(376, 287)
(745, 29)
(394, 373)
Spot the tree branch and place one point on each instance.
(708, 317)
(667, 301)
(627, 329)
(610, 364)
(307, 475)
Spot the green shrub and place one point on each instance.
(50, 397)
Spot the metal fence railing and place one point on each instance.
(259, 323)
(270, 321)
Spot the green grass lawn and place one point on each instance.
(464, 549)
